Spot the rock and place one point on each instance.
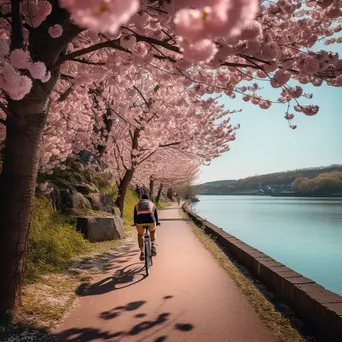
(101, 202)
(97, 229)
(83, 188)
(86, 189)
(77, 166)
(79, 201)
(66, 200)
(116, 211)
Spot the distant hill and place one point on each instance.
(272, 183)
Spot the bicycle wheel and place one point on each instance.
(147, 257)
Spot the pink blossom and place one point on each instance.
(37, 70)
(289, 116)
(35, 12)
(199, 52)
(296, 92)
(43, 186)
(280, 78)
(4, 48)
(224, 18)
(16, 85)
(101, 15)
(310, 110)
(251, 31)
(311, 64)
(20, 59)
(55, 31)
(270, 51)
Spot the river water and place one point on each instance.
(304, 234)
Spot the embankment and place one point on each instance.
(310, 300)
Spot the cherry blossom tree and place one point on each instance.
(160, 114)
(52, 52)
(166, 169)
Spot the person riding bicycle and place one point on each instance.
(145, 214)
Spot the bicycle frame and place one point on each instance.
(147, 249)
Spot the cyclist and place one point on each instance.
(178, 199)
(145, 214)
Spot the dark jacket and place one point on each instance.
(146, 218)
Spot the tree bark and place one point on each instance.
(151, 189)
(24, 129)
(159, 192)
(17, 187)
(122, 190)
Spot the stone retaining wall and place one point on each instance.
(310, 300)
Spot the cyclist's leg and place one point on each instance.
(140, 230)
(152, 228)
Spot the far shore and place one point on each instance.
(277, 195)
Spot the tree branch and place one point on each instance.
(85, 61)
(17, 37)
(154, 41)
(171, 144)
(111, 43)
(140, 93)
(66, 94)
(5, 109)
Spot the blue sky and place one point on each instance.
(266, 144)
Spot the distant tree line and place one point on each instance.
(325, 183)
(304, 180)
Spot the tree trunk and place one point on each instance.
(152, 188)
(159, 192)
(17, 188)
(123, 187)
(24, 129)
(169, 194)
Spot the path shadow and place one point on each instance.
(132, 306)
(150, 326)
(122, 278)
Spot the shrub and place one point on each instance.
(130, 201)
(53, 241)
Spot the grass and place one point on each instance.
(55, 247)
(53, 241)
(163, 205)
(128, 212)
(273, 319)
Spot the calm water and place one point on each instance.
(304, 234)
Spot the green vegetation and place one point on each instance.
(128, 213)
(53, 241)
(162, 205)
(325, 183)
(278, 181)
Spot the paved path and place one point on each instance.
(187, 297)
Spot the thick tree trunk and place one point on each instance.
(151, 189)
(17, 187)
(123, 187)
(159, 192)
(25, 126)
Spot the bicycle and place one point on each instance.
(147, 249)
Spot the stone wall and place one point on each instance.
(310, 300)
